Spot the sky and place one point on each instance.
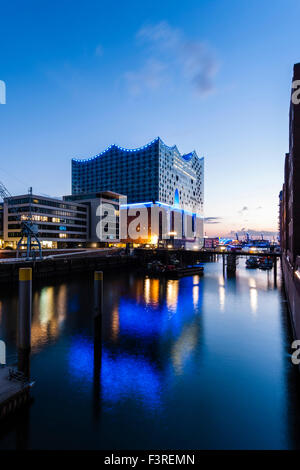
(206, 75)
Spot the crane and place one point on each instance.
(29, 230)
(4, 191)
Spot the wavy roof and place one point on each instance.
(186, 156)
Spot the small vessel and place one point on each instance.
(173, 270)
(184, 271)
(265, 263)
(252, 262)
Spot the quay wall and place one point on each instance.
(292, 289)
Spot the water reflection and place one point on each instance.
(184, 346)
(151, 291)
(172, 294)
(253, 295)
(222, 293)
(125, 376)
(129, 368)
(115, 326)
(157, 362)
(49, 313)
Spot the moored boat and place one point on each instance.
(265, 263)
(252, 262)
(173, 270)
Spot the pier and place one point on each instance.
(15, 383)
(14, 391)
(229, 258)
(57, 265)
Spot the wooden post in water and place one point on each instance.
(98, 313)
(98, 293)
(275, 270)
(24, 320)
(231, 264)
(98, 305)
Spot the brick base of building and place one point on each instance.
(292, 289)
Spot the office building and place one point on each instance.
(60, 223)
(111, 229)
(161, 225)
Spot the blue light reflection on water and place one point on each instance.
(125, 374)
(189, 363)
(121, 376)
(174, 310)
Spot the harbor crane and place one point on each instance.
(29, 230)
(4, 191)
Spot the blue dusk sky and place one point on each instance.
(209, 75)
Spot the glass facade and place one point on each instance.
(154, 172)
(56, 219)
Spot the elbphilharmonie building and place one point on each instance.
(152, 173)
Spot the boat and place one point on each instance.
(173, 270)
(184, 271)
(252, 262)
(234, 247)
(265, 263)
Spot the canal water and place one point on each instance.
(196, 363)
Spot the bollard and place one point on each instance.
(24, 319)
(275, 271)
(98, 311)
(25, 308)
(98, 293)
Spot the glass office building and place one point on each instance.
(154, 172)
(60, 223)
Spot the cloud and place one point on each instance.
(151, 76)
(212, 220)
(172, 55)
(99, 50)
(243, 210)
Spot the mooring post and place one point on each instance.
(24, 319)
(275, 271)
(98, 293)
(223, 259)
(98, 313)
